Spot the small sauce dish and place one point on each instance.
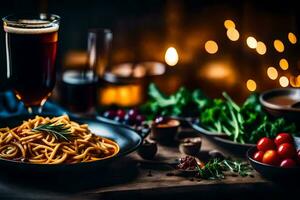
(282, 102)
(164, 130)
(148, 149)
(190, 146)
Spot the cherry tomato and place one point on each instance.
(258, 156)
(286, 150)
(271, 157)
(283, 138)
(288, 163)
(265, 144)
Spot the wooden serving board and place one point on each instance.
(128, 179)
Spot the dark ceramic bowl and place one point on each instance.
(128, 140)
(221, 139)
(272, 172)
(190, 146)
(282, 102)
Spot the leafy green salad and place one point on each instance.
(245, 123)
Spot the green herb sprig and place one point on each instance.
(59, 131)
(215, 169)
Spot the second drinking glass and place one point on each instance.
(79, 88)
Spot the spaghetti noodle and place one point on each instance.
(25, 143)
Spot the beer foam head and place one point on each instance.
(31, 29)
(30, 26)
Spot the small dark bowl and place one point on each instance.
(289, 108)
(272, 172)
(165, 134)
(190, 146)
(148, 149)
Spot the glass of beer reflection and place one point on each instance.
(31, 43)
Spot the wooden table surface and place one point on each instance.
(127, 178)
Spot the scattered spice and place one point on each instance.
(187, 163)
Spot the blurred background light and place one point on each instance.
(211, 47)
(295, 81)
(251, 42)
(251, 85)
(171, 56)
(229, 24)
(279, 46)
(284, 81)
(261, 48)
(272, 73)
(292, 38)
(233, 34)
(283, 63)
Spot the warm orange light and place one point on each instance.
(272, 73)
(283, 63)
(261, 48)
(108, 96)
(139, 71)
(298, 81)
(284, 81)
(123, 95)
(171, 56)
(279, 46)
(251, 85)
(233, 34)
(295, 81)
(217, 70)
(221, 71)
(211, 47)
(292, 38)
(229, 24)
(251, 42)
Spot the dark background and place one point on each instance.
(143, 30)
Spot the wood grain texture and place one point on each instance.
(127, 178)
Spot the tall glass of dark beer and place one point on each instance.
(31, 43)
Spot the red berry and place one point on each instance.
(283, 138)
(288, 163)
(286, 150)
(265, 144)
(258, 156)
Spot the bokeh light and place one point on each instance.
(229, 24)
(272, 73)
(279, 46)
(283, 63)
(211, 47)
(295, 81)
(251, 85)
(284, 81)
(292, 38)
(251, 42)
(233, 34)
(171, 56)
(261, 48)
